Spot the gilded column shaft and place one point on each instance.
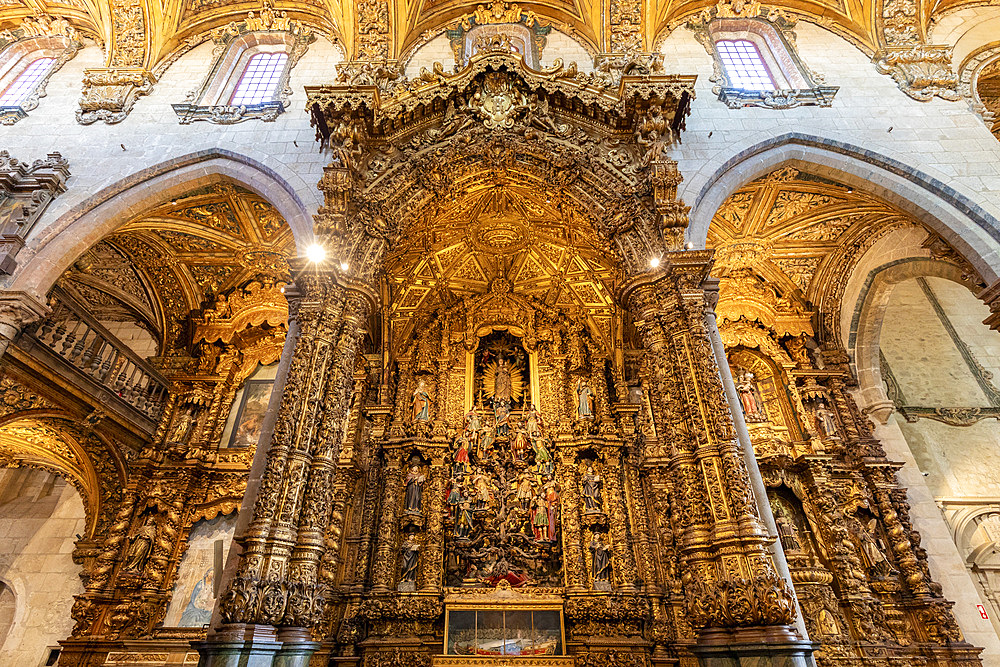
(384, 567)
(625, 574)
(726, 552)
(572, 535)
(431, 571)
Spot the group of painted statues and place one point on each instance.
(503, 501)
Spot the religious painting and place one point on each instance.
(250, 415)
(502, 379)
(194, 592)
(499, 632)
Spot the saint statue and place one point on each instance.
(473, 423)
(540, 519)
(502, 414)
(585, 400)
(463, 523)
(519, 444)
(462, 457)
(421, 403)
(481, 485)
(787, 533)
(827, 420)
(140, 548)
(600, 568)
(592, 491)
(551, 507)
(543, 459)
(533, 422)
(455, 497)
(525, 491)
(746, 388)
(414, 490)
(411, 553)
(871, 553)
(182, 427)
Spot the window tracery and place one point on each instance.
(26, 65)
(249, 78)
(755, 59)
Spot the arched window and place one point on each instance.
(250, 78)
(756, 63)
(260, 79)
(26, 82)
(744, 65)
(25, 67)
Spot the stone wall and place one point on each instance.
(940, 140)
(40, 516)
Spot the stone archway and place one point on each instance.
(46, 258)
(968, 227)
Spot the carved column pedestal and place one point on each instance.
(752, 647)
(239, 646)
(297, 648)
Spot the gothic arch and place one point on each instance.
(967, 226)
(866, 325)
(91, 220)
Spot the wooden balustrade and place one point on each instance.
(77, 337)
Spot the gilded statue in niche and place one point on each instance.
(421, 403)
(502, 379)
(750, 399)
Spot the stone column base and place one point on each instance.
(771, 646)
(297, 647)
(239, 646)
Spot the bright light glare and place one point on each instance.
(316, 253)
(344, 266)
(654, 262)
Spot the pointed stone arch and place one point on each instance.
(91, 220)
(946, 208)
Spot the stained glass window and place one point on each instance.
(260, 79)
(26, 82)
(745, 67)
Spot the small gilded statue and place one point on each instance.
(414, 490)
(600, 569)
(871, 553)
(787, 533)
(140, 548)
(827, 420)
(746, 388)
(585, 400)
(592, 483)
(421, 403)
(411, 555)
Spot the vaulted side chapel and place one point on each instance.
(432, 333)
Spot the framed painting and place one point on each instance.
(250, 414)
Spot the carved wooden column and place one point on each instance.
(276, 580)
(384, 567)
(432, 558)
(624, 570)
(572, 535)
(734, 596)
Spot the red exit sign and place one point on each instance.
(982, 611)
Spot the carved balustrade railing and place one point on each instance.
(79, 339)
